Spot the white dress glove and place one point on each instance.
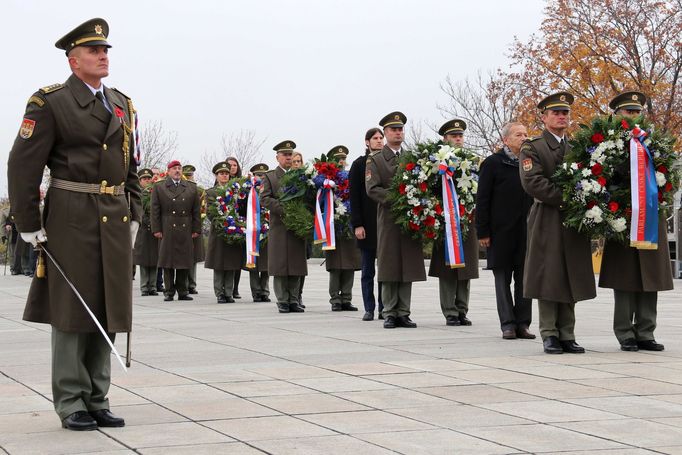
(34, 237)
(134, 226)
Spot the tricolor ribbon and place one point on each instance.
(643, 194)
(252, 226)
(138, 152)
(324, 216)
(454, 248)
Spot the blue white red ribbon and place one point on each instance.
(324, 216)
(253, 226)
(643, 194)
(454, 248)
(138, 152)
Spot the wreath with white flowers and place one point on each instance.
(228, 212)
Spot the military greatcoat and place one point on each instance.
(146, 252)
(288, 251)
(346, 256)
(221, 255)
(72, 133)
(400, 258)
(199, 250)
(176, 214)
(558, 264)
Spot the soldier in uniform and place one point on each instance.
(199, 253)
(81, 130)
(342, 262)
(288, 264)
(400, 258)
(259, 279)
(146, 245)
(454, 284)
(9, 235)
(224, 258)
(558, 267)
(235, 172)
(176, 222)
(635, 275)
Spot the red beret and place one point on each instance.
(174, 163)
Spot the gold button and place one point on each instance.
(173, 224)
(125, 219)
(173, 212)
(105, 147)
(104, 183)
(183, 224)
(104, 219)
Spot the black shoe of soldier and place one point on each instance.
(405, 321)
(79, 421)
(152, 292)
(145, 293)
(168, 298)
(265, 298)
(337, 307)
(193, 291)
(256, 298)
(283, 307)
(629, 345)
(452, 320)
(572, 347)
(222, 299)
(463, 320)
(105, 418)
(552, 346)
(296, 308)
(348, 307)
(389, 323)
(185, 297)
(650, 345)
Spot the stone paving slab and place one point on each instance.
(242, 379)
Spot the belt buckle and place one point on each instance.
(103, 189)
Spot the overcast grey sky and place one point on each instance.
(315, 71)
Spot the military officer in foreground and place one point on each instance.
(400, 258)
(635, 275)
(454, 284)
(558, 267)
(188, 171)
(82, 131)
(176, 222)
(287, 262)
(259, 279)
(146, 245)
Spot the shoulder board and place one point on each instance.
(376, 152)
(535, 138)
(36, 100)
(51, 88)
(120, 92)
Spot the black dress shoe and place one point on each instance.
(105, 418)
(79, 421)
(193, 291)
(389, 323)
(381, 315)
(295, 308)
(369, 316)
(168, 298)
(153, 292)
(348, 307)
(283, 307)
(509, 334)
(236, 295)
(222, 299)
(185, 297)
(337, 307)
(256, 298)
(451, 320)
(463, 320)
(160, 289)
(650, 345)
(552, 346)
(405, 321)
(265, 298)
(629, 345)
(229, 300)
(523, 333)
(145, 293)
(572, 347)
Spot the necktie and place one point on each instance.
(100, 97)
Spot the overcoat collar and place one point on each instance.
(182, 186)
(388, 153)
(84, 97)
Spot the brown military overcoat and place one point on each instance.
(628, 269)
(346, 256)
(438, 268)
(221, 255)
(199, 250)
(146, 252)
(288, 251)
(66, 129)
(176, 214)
(558, 264)
(400, 257)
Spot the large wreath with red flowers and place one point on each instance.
(416, 190)
(228, 212)
(595, 175)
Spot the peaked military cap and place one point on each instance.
(90, 33)
(188, 169)
(454, 126)
(146, 172)
(633, 101)
(560, 101)
(260, 168)
(394, 119)
(287, 146)
(223, 166)
(338, 152)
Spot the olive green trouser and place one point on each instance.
(556, 319)
(341, 286)
(260, 283)
(223, 282)
(396, 296)
(192, 278)
(147, 279)
(454, 296)
(81, 371)
(287, 289)
(175, 280)
(634, 315)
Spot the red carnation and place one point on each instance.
(668, 187)
(414, 226)
(409, 166)
(417, 210)
(402, 188)
(591, 204)
(597, 169)
(580, 165)
(462, 210)
(613, 206)
(429, 221)
(601, 180)
(662, 169)
(439, 209)
(624, 124)
(430, 234)
(660, 197)
(423, 187)
(597, 138)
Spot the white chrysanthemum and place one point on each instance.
(594, 214)
(309, 170)
(574, 166)
(406, 177)
(660, 178)
(610, 132)
(586, 172)
(618, 224)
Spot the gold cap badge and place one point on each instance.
(98, 29)
(562, 98)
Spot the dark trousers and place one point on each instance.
(159, 280)
(175, 280)
(514, 312)
(367, 280)
(237, 277)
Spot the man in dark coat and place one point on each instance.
(501, 210)
(146, 254)
(558, 267)
(176, 222)
(363, 217)
(188, 171)
(82, 131)
(287, 261)
(454, 283)
(401, 259)
(635, 275)
(259, 279)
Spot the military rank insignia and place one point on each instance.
(26, 130)
(527, 164)
(368, 175)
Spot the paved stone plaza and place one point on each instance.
(242, 379)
